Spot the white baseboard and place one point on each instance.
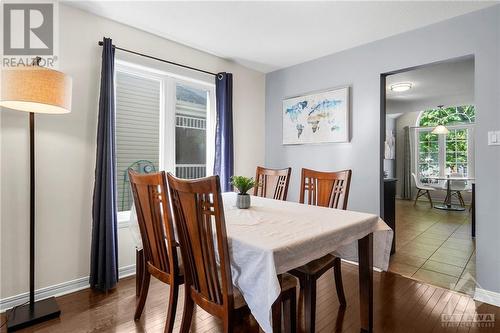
(125, 271)
(58, 289)
(486, 296)
(376, 269)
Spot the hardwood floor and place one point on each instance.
(400, 305)
(434, 246)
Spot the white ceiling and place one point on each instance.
(448, 83)
(270, 35)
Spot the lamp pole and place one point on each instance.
(32, 210)
(33, 312)
(36, 62)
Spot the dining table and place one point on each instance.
(272, 237)
(447, 204)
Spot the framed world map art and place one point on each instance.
(321, 117)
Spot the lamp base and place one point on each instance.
(27, 315)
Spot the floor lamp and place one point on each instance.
(34, 89)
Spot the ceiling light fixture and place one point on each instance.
(402, 86)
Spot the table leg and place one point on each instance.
(139, 270)
(473, 211)
(365, 256)
(448, 194)
(276, 311)
(447, 204)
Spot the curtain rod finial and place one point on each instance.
(36, 61)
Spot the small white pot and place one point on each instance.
(243, 201)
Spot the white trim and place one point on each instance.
(486, 296)
(123, 219)
(376, 269)
(126, 271)
(58, 289)
(210, 128)
(123, 224)
(168, 145)
(120, 64)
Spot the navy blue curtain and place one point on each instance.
(104, 247)
(224, 156)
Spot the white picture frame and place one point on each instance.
(320, 117)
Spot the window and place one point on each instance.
(190, 132)
(428, 158)
(457, 148)
(163, 122)
(440, 155)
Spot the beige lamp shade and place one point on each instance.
(440, 129)
(36, 89)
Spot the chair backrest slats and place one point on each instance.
(272, 183)
(199, 217)
(155, 223)
(327, 189)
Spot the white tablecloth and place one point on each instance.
(273, 237)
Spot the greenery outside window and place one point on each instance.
(441, 155)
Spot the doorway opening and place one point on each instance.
(428, 183)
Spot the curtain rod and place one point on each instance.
(159, 59)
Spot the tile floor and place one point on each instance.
(434, 246)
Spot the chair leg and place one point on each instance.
(139, 271)
(187, 312)
(338, 281)
(143, 295)
(310, 305)
(290, 311)
(172, 307)
(461, 198)
(228, 325)
(416, 198)
(430, 198)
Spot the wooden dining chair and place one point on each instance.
(272, 183)
(326, 189)
(160, 248)
(199, 218)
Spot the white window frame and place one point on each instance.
(442, 149)
(168, 82)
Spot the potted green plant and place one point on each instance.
(243, 184)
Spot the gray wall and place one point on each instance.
(477, 33)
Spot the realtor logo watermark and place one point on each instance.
(481, 320)
(28, 32)
(450, 317)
